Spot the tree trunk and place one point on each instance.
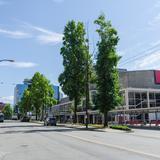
(106, 119)
(36, 115)
(75, 111)
(42, 116)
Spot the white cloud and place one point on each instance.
(14, 34)
(149, 62)
(18, 64)
(7, 99)
(155, 22)
(53, 38)
(46, 36)
(41, 35)
(153, 44)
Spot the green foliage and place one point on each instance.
(38, 97)
(75, 55)
(120, 127)
(15, 108)
(25, 104)
(41, 93)
(106, 67)
(7, 111)
(93, 76)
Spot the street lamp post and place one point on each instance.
(7, 60)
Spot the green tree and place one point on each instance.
(106, 68)
(74, 52)
(42, 94)
(7, 111)
(25, 103)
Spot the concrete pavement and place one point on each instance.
(31, 141)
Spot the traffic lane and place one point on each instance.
(120, 139)
(16, 128)
(55, 145)
(16, 123)
(124, 140)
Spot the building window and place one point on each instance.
(144, 96)
(157, 96)
(138, 100)
(151, 96)
(152, 104)
(152, 99)
(131, 98)
(144, 99)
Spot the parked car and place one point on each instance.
(14, 117)
(50, 121)
(1, 117)
(25, 119)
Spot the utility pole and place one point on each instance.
(87, 81)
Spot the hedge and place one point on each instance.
(120, 127)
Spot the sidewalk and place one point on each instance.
(69, 125)
(82, 126)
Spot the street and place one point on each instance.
(31, 141)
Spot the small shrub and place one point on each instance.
(120, 127)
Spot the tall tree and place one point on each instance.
(74, 52)
(106, 67)
(7, 111)
(25, 103)
(42, 94)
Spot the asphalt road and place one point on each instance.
(30, 141)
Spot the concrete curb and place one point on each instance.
(38, 122)
(82, 127)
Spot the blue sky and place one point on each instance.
(31, 33)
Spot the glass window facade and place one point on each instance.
(139, 99)
(20, 88)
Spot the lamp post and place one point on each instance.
(7, 60)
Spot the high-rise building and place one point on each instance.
(20, 88)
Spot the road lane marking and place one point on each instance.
(114, 146)
(2, 154)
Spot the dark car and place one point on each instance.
(25, 119)
(1, 117)
(50, 121)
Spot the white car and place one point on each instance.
(14, 117)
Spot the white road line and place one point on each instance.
(2, 154)
(114, 146)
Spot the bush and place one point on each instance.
(120, 127)
(7, 111)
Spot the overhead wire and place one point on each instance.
(141, 54)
